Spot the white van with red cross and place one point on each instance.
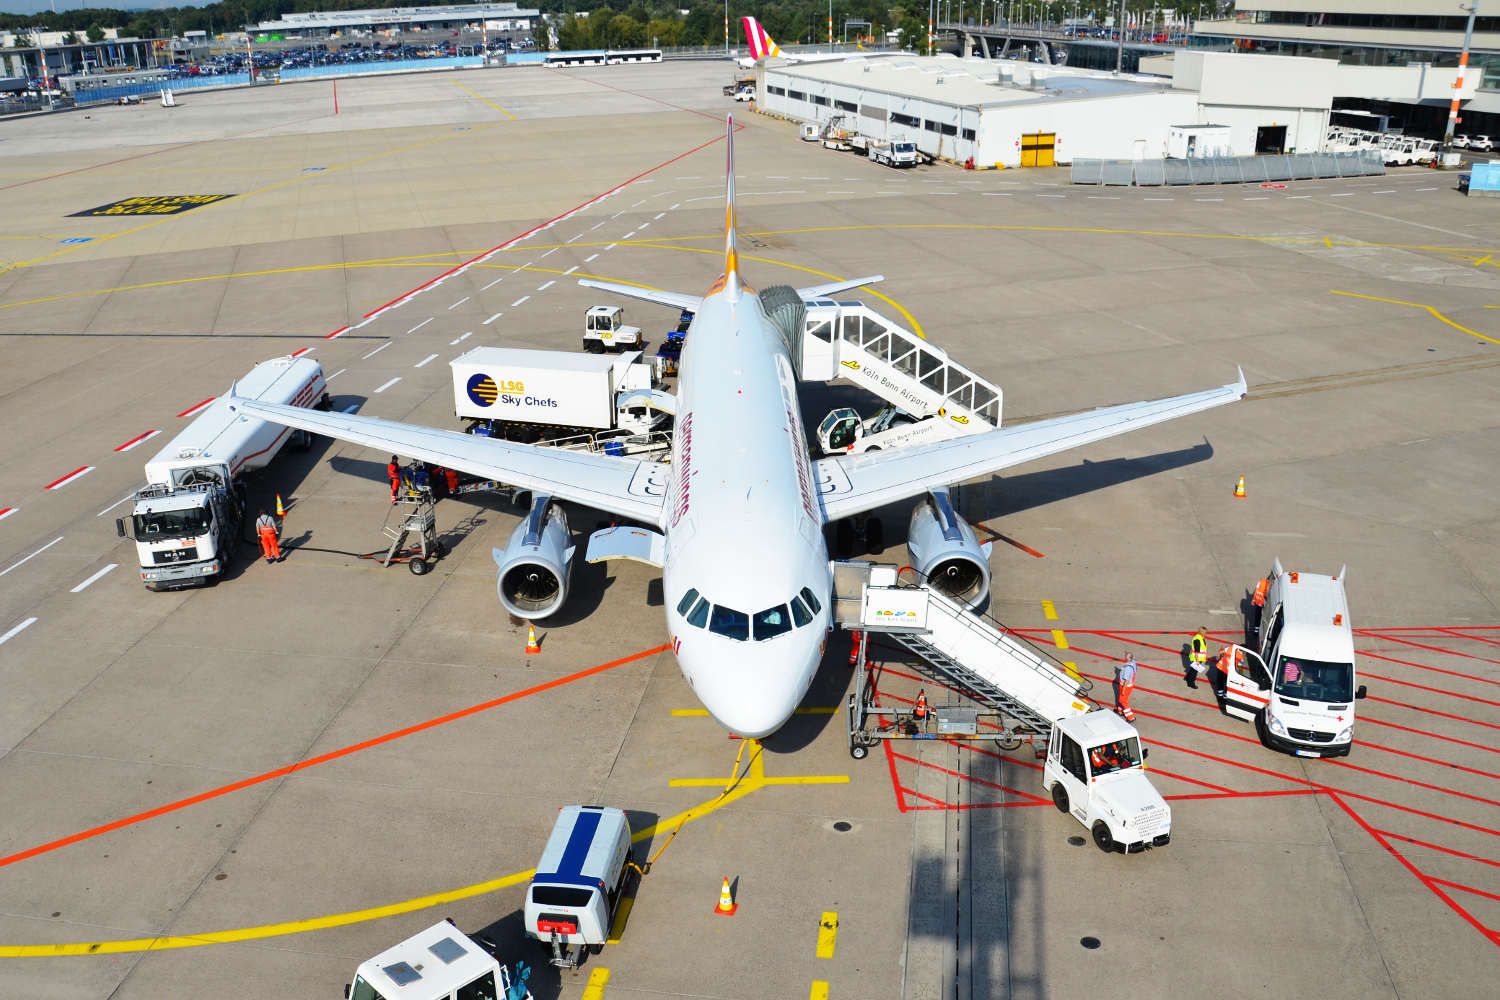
(1299, 684)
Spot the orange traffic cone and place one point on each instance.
(727, 906)
(532, 645)
(280, 508)
(919, 712)
(1239, 489)
(854, 644)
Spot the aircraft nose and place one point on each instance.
(752, 691)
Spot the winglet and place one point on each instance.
(731, 279)
(1243, 388)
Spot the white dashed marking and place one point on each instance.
(460, 302)
(27, 559)
(465, 337)
(85, 584)
(377, 350)
(426, 360)
(389, 384)
(519, 301)
(7, 637)
(420, 325)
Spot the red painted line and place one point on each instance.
(967, 777)
(1423, 666)
(1464, 888)
(1433, 711)
(1375, 835)
(338, 333)
(62, 481)
(1278, 793)
(1424, 732)
(136, 440)
(1445, 850)
(1471, 638)
(325, 758)
(540, 226)
(299, 353)
(895, 782)
(1435, 649)
(6, 512)
(196, 407)
(1008, 540)
(96, 166)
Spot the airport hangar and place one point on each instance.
(981, 109)
(329, 24)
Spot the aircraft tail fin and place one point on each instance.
(730, 282)
(761, 44)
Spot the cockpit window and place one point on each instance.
(687, 601)
(800, 614)
(729, 623)
(771, 623)
(812, 602)
(699, 616)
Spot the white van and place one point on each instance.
(578, 882)
(1299, 684)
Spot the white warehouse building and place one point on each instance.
(1002, 113)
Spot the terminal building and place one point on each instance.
(998, 113)
(397, 20)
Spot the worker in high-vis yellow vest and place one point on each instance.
(1197, 656)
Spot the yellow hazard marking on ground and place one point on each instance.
(828, 933)
(1059, 638)
(819, 990)
(1049, 611)
(299, 178)
(754, 776)
(598, 979)
(1072, 670)
(681, 712)
(1430, 310)
(755, 780)
(485, 100)
(622, 917)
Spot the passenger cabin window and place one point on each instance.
(729, 623)
(800, 614)
(687, 601)
(699, 616)
(772, 622)
(482, 988)
(812, 602)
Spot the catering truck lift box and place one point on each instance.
(1298, 683)
(578, 882)
(186, 521)
(440, 963)
(1095, 771)
(505, 386)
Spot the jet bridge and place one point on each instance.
(1020, 690)
(849, 340)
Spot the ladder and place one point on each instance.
(849, 340)
(1005, 674)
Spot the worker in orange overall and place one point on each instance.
(1125, 686)
(267, 531)
(1258, 606)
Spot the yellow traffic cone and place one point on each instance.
(280, 508)
(532, 645)
(1239, 489)
(727, 906)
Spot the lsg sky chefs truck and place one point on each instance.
(187, 518)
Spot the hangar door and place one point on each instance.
(1038, 148)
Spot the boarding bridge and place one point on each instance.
(849, 340)
(1013, 681)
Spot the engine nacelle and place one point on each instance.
(536, 562)
(944, 549)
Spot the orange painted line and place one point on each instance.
(1010, 541)
(332, 755)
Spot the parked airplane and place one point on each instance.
(735, 520)
(763, 46)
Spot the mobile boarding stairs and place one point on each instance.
(1018, 689)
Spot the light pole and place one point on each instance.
(1458, 83)
(726, 27)
(1120, 45)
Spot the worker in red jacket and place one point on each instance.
(393, 470)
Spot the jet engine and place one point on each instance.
(943, 548)
(534, 565)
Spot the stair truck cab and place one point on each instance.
(186, 520)
(1096, 771)
(440, 963)
(579, 882)
(1298, 682)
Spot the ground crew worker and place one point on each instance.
(266, 531)
(393, 470)
(1124, 686)
(452, 477)
(1197, 656)
(1258, 604)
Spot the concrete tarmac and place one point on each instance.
(250, 788)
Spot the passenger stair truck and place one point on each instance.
(1298, 683)
(579, 882)
(1095, 767)
(931, 397)
(187, 520)
(440, 963)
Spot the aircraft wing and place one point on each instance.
(620, 486)
(676, 300)
(834, 287)
(856, 483)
